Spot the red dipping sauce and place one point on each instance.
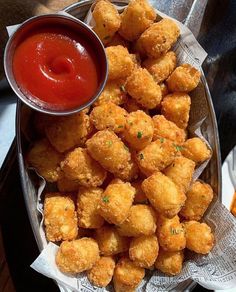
(56, 68)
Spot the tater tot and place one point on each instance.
(60, 218)
(196, 150)
(110, 242)
(164, 195)
(46, 160)
(109, 116)
(41, 121)
(87, 203)
(167, 129)
(140, 221)
(164, 89)
(170, 233)
(185, 78)
(138, 130)
(118, 40)
(137, 17)
(120, 62)
(116, 201)
(199, 237)
(156, 156)
(181, 172)
(159, 38)
(131, 105)
(79, 166)
(114, 91)
(106, 148)
(66, 132)
(162, 67)
(142, 87)
(140, 197)
(143, 250)
(66, 185)
(77, 256)
(102, 271)
(170, 262)
(198, 199)
(176, 108)
(127, 275)
(107, 20)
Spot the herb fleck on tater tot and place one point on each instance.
(167, 129)
(116, 201)
(107, 20)
(79, 166)
(137, 17)
(176, 108)
(199, 237)
(46, 160)
(159, 38)
(120, 62)
(143, 250)
(60, 217)
(199, 198)
(138, 130)
(140, 221)
(110, 242)
(185, 78)
(142, 87)
(170, 262)
(127, 275)
(161, 67)
(102, 271)
(87, 203)
(181, 172)
(196, 150)
(77, 256)
(170, 233)
(109, 116)
(164, 195)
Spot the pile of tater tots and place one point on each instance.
(123, 168)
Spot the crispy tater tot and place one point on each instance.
(140, 197)
(77, 256)
(120, 62)
(137, 17)
(199, 237)
(170, 262)
(143, 250)
(114, 91)
(185, 78)
(167, 129)
(79, 166)
(107, 20)
(66, 132)
(66, 185)
(87, 203)
(116, 201)
(142, 87)
(159, 38)
(181, 172)
(109, 116)
(106, 148)
(138, 130)
(102, 271)
(127, 275)
(131, 105)
(140, 221)
(156, 156)
(136, 59)
(196, 149)
(164, 89)
(162, 67)
(163, 194)
(176, 108)
(45, 159)
(60, 217)
(110, 242)
(170, 233)
(118, 40)
(199, 197)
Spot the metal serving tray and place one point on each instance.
(212, 173)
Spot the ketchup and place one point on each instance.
(56, 68)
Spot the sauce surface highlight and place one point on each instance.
(56, 68)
